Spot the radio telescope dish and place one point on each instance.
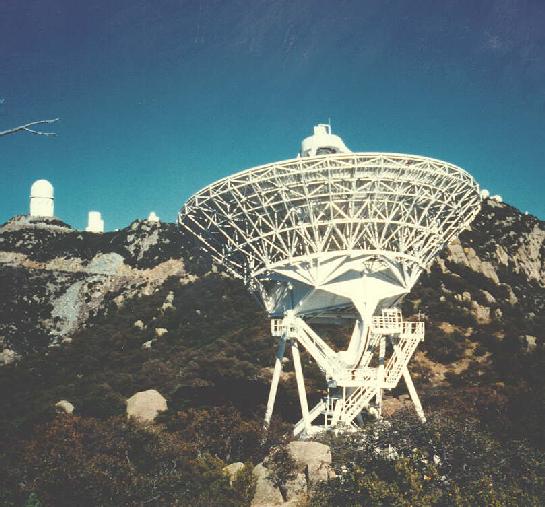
(333, 235)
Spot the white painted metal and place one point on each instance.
(414, 395)
(322, 142)
(41, 199)
(329, 237)
(95, 222)
(275, 379)
(300, 385)
(380, 373)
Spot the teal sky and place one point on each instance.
(158, 98)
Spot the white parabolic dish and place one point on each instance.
(334, 235)
(323, 233)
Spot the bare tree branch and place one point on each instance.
(26, 128)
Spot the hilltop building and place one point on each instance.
(41, 199)
(95, 222)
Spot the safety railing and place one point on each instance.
(356, 375)
(390, 322)
(277, 329)
(357, 401)
(413, 329)
(404, 348)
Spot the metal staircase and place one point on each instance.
(404, 337)
(356, 402)
(297, 329)
(411, 335)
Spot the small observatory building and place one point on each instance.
(41, 199)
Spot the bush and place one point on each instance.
(87, 462)
(447, 461)
(221, 432)
(444, 347)
(244, 484)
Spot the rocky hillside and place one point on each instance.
(485, 293)
(95, 318)
(53, 279)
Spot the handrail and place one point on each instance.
(357, 401)
(413, 333)
(357, 374)
(321, 344)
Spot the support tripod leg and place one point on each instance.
(275, 380)
(300, 384)
(414, 396)
(380, 374)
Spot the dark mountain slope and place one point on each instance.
(95, 318)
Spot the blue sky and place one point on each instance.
(158, 98)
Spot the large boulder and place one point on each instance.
(530, 342)
(312, 464)
(145, 405)
(8, 356)
(266, 495)
(232, 470)
(297, 489)
(313, 458)
(64, 406)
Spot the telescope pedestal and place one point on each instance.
(389, 344)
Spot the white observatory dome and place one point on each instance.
(41, 188)
(95, 223)
(41, 199)
(322, 142)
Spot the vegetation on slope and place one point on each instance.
(481, 381)
(448, 461)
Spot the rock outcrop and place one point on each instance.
(146, 405)
(58, 279)
(64, 407)
(468, 257)
(313, 458)
(232, 470)
(266, 494)
(312, 464)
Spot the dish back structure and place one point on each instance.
(335, 235)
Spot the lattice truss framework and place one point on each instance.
(402, 206)
(359, 227)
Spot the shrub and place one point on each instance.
(447, 461)
(244, 484)
(87, 462)
(444, 347)
(221, 432)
